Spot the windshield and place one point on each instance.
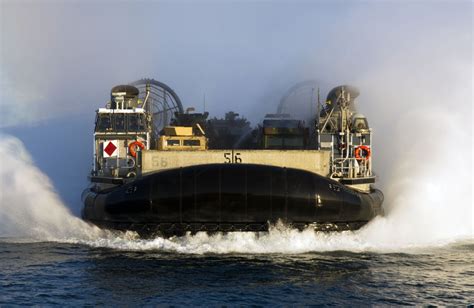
(136, 122)
(104, 123)
(286, 142)
(281, 123)
(120, 122)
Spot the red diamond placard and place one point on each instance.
(110, 148)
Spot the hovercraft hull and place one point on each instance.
(229, 197)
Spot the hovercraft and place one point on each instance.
(159, 169)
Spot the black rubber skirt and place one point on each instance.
(230, 197)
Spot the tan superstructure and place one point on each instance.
(311, 160)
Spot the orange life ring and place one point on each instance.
(132, 146)
(364, 148)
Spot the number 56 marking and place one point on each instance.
(159, 163)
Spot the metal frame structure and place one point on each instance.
(161, 102)
(344, 140)
(285, 101)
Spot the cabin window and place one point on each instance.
(274, 142)
(192, 143)
(104, 123)
(281, 123)
(293, 142)
(173, 142)
(285, 142)
(136, 122)
(120, 122)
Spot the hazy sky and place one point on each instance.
(59, 60)
(62, 57)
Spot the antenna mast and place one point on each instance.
(204, 102)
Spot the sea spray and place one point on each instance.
(428, 195)
(29, 205)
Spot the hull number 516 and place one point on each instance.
(232, 158)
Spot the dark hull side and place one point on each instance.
(229, 197)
